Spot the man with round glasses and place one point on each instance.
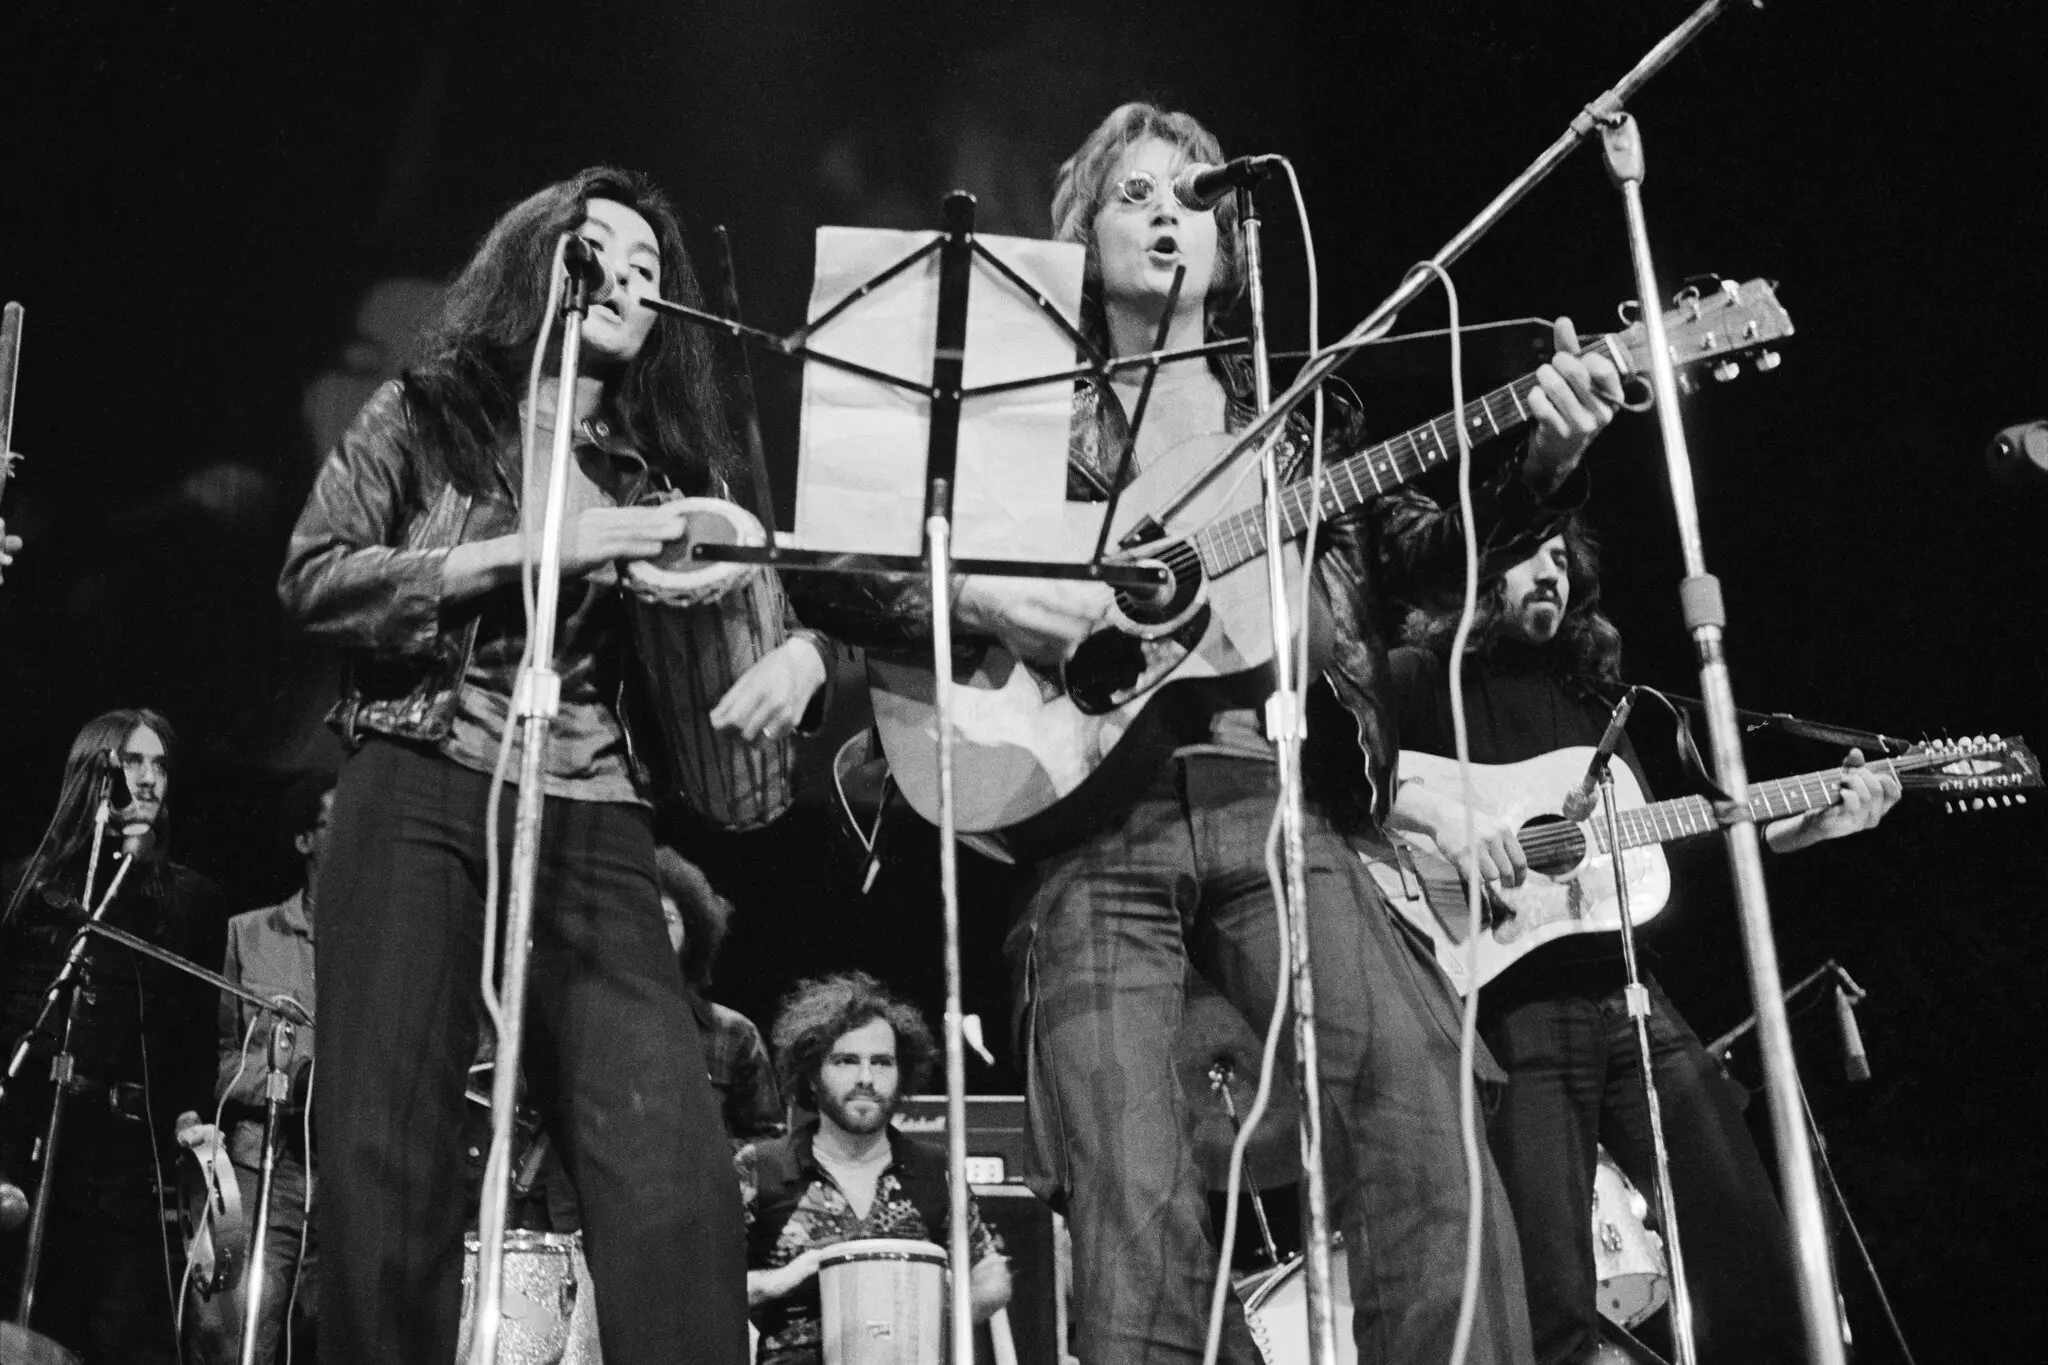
(1108, 927)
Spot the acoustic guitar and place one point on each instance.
(1043, 757)
(1570, 885)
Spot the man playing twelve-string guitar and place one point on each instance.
(1556, 1020)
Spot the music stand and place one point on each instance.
(958, 249)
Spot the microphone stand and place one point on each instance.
(536, 700)
(1705, 618)
(276, 1086)
(62, 1069)
(1638, 996)
(1284, 728)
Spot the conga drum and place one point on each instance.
(884, 1302)
(697, 626)
(548, 1315)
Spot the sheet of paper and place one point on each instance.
(861, 465)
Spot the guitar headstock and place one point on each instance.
(1715, 326)
(1972, 774)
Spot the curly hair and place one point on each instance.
(707, 916)
(1081, 188)
(463, 395)
(1587, 648)
(820, 1012)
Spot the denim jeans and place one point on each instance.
(214, 1325)
(1102, 950)
(1574, 1081)
(613, 1062)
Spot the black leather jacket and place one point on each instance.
(363, 572)
(1399, 547)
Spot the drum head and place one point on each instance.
(677, 578)
(881, 1249)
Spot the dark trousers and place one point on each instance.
(1109, 933)
(613, 1061)
(1574, 1082)
(213, 1326)
(103, 1287)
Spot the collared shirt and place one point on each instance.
(783, 1180)
(270, 951)
(737, 1062)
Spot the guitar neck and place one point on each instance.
(1684, 817)
(1241, 537)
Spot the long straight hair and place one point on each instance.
(71, 826)
(463, 396)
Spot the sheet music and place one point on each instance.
(861, 464)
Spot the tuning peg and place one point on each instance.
(1687, 384)
(1768, 360)
(1726, 371)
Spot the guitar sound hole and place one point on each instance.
(1108, 662)
(1553, 845)
(1158, 606)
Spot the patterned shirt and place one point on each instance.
(781, 1180)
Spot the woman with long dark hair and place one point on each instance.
(408, 553)
(141, 1051)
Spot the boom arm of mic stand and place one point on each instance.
(283, 1004)
(1412, 286)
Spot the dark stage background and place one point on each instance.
(225, 227)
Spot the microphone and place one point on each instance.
(2019, 454)
(117, 794)
(1201, 187)
(580, 260)
(1579, 804)
(1855, 1062)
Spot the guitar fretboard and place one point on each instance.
(1686, 816)
(1241, 536)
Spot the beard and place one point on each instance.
(870, 1120)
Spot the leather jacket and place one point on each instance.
(1399, 547)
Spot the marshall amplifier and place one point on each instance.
(996, 1140)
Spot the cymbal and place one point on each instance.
(1212, 1032)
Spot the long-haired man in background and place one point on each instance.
(1542, 654)
(141, 1049)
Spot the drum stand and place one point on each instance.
(1638, 996)
(1220, 1074)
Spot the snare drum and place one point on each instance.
(884, 1302)
(697, 626)
(1276, 1310)
(1627, 1256)
(548, 1312)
